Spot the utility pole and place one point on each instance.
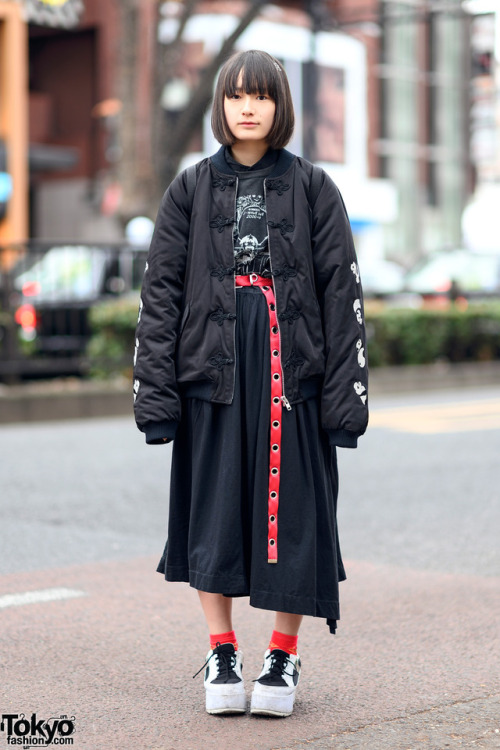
(14, 120)
(321, 20)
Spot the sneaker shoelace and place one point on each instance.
(277, 668)
(226, 662)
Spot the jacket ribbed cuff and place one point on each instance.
(156, 432)
(343, 438)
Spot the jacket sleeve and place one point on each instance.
(344, 407)
(156, 399)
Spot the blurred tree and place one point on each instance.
(171, 132)
(135, 182)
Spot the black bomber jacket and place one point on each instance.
(185, 338)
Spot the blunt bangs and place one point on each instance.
(261, 74)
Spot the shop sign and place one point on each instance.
(56, 13)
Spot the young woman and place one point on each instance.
(250, 353)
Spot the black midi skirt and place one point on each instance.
(218, 514)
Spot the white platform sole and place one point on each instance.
(268, 701)
(230, 699)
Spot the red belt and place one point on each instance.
(277, 398)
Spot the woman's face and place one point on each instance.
(249, 117)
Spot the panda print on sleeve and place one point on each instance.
(357, 307)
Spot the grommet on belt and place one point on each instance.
(276, 407)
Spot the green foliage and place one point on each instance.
(415, 337)
(395, 336)
(111, 348)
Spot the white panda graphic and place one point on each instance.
(360, 391)
(357, 310)
(137, 385)
(361, 353)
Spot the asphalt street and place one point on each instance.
(99, 635)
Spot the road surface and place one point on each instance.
(90, 631)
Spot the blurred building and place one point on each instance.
(419, 78)
(382, 95)
(72, 96)
(424, 74)
(328, 61)
(13, 125)
(381, 87)
(481, 219)
(58, 61)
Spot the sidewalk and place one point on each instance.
(414, 665)
(75, 399)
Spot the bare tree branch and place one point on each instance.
(171, 133)
(168, 57)
(172, 49)
(189, 8)
(127, 87)
(187, 122)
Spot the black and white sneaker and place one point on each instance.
(274, 690)
(224, 688)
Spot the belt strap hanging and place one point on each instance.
(266, 286)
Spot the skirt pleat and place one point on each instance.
(218, 513)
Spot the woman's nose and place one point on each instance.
(246, 105)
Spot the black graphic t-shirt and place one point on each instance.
(250, 233)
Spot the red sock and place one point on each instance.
(284, 642)
(229, 637)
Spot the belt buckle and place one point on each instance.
(253, 278)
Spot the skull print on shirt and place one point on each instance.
(250, 229)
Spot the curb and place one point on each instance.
(64, 399)
(438, 376)
(80, 399)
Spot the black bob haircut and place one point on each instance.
(261, 74)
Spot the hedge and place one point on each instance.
(395, 336)
(422, 336)
(111, 346)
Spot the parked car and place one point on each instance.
(455, 271)
(54, 289)
(381, 277)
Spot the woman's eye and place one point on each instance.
(235, 96)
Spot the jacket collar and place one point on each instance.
(283, 162)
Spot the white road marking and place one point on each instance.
(42, 595)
